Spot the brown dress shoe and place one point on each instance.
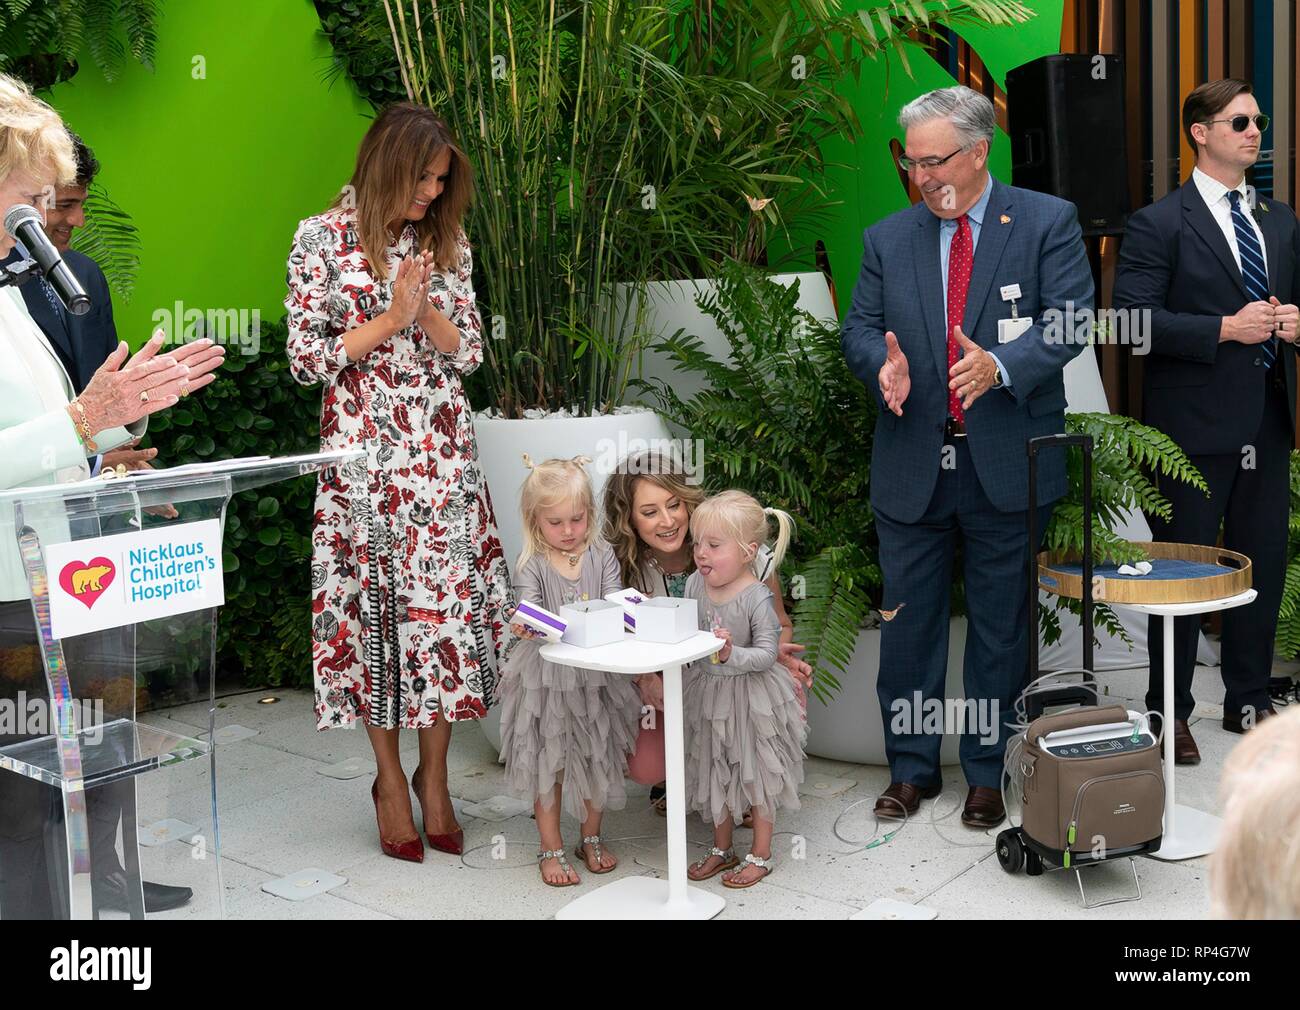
(1185, 749)
(983, 808)
(1241, 723)
(903, 799)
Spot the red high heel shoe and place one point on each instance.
(454, 843)
(412, 851)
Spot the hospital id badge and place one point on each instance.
(1009, 329)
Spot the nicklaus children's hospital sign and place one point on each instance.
(126, 578)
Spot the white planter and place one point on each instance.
(501, 444)
(672, 307)
(851, 727)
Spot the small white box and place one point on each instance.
(592, 623)
(628, 599)
(667, 619)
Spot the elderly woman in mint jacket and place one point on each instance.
(48, 435)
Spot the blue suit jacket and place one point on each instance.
(1027, 238)
(81, 342)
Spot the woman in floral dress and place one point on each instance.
(410, 591)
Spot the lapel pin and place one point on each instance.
(1005, 219)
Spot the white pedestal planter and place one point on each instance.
(501, 445)
(850, 728)
(671, 306)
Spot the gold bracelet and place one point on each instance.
(85, 433)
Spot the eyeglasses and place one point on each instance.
(1239, 123)
(907, 164)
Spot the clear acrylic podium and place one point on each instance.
(97, 796)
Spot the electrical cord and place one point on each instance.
(873, 841)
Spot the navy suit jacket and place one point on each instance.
(1026, 238)
(81, 342)
(1176, 263)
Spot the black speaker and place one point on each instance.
(1065, 114)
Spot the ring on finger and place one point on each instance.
(185, 389)
(144, 396)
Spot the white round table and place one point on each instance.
(1188, 832)
(638, 897)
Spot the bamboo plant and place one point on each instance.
(616, 143)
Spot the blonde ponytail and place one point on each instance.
(784, 534)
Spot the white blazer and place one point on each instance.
(38, 446)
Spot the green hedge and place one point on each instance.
(254, 408)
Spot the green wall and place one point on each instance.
(216, 171)
(864, 176)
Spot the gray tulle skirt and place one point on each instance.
(744, 737)
(561, 724)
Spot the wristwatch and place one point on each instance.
(997, 378)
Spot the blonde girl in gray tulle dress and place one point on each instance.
(565, 733)
(743, 725)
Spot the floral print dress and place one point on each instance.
(410, 590)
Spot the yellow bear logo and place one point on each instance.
(87, 580)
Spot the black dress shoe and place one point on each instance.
(110, 894)
(1241, 723)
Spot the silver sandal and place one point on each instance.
(753, 860)
(559, 856)
(594, 841)
(728, 861)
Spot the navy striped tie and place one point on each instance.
(1253, 271)
(55, 303)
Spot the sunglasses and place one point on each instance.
(1239, 123)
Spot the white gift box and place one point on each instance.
(539, 619)
(666, 619)
(628, 600)
(592, 623)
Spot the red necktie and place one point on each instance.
(959, 264)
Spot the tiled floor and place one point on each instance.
(280, 815)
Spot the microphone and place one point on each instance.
(24, 223)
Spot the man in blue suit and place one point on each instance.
(961, 323)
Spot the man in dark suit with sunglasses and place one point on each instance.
(1217, 269)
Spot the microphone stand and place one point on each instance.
(19, 272)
